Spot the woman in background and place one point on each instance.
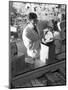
(48, 41)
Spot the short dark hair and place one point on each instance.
(32, 16)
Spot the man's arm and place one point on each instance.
(29, 39)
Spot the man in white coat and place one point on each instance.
(31, 37)
(32, 40)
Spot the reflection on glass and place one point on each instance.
(52, 42)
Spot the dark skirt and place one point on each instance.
(51, 55)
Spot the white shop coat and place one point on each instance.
(31, 41)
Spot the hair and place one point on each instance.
(55, 27)
(32, 16)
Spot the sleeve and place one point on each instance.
(31, 35)
(58, 24)
(27, 41)
(36, 45)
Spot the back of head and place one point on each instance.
(32, 16)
